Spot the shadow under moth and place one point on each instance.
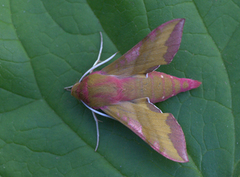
(126, 89)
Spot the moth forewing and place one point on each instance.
(127, 88)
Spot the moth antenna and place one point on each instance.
(100, 50)
(97, 112)
(99, 64)
(96, 120)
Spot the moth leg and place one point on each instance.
(97, 112)
(68, 88)
(98, 135)
(96, 120)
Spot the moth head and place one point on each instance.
(75, 90)
(80, 90)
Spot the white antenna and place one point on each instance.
(96, 64)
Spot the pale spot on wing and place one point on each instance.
(124, 118)
(156, 146)
(147, 75)
(133, 54)
(161, 76)
(134, 124)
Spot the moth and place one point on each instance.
(126, 89)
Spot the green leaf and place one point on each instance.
(48, 45)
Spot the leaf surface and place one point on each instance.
(47, 45)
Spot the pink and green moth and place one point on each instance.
(126, 89)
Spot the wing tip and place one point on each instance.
(178, 139)
(184, 160)
(174, 40)
(176, 151)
